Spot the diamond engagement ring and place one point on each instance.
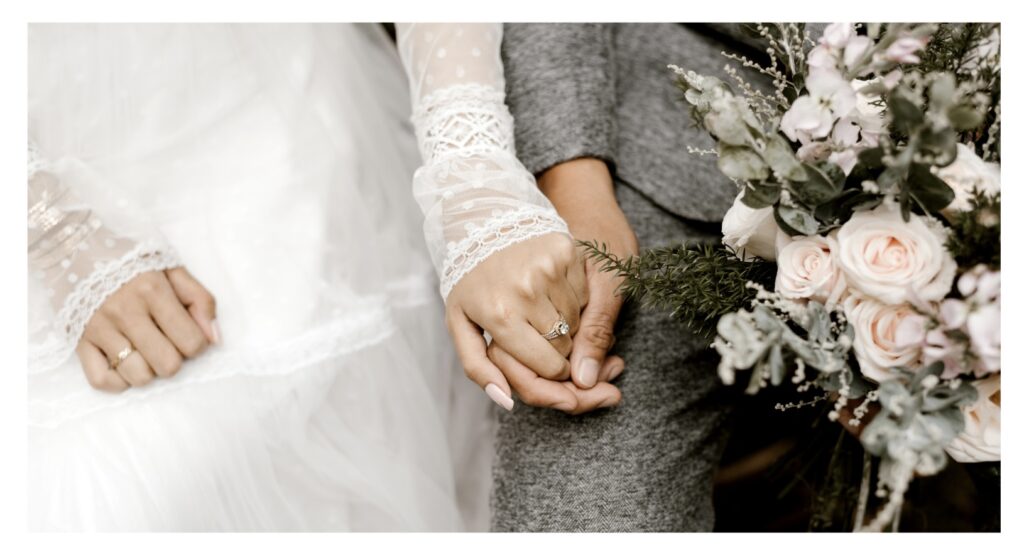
(121, 356)
(561, 328)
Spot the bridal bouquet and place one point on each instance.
(860, 259)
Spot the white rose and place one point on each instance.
(807, 269)
(891, 260)
(751, 233)
(980, 438)
(968, 171)
(875, 338)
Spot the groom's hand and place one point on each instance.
(583, 193)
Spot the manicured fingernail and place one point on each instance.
(616, 371)
(499, 396)
(215, 331)
(588, 371)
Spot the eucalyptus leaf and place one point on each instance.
(782, 160)
(906, 114)
(741, 163)
(795, 221)
(941, 144)
(932, 193)
(871, 158)
(817, 189)
(965, 117)
(941, 91)
(761, 195)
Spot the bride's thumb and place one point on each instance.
(198, 300)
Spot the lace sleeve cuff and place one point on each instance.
(494, 235)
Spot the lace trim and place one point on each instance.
(494, 235)
(90, 293)
(463, 120)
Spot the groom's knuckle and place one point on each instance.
(599, 333)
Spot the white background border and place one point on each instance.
(13, 341)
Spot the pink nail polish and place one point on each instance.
(588, 371)
(499, 396)
(215, 331)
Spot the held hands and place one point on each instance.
(517, 295)
(520, 292)
(146, 329)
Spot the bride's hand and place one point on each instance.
(516, 295)
(162, 317)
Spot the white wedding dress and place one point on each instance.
(274, 162)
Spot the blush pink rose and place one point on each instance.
(894, 261)
(877, 339)
(807, 269)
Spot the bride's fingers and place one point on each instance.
(531, 388)
(602, 395)
(97, 369)
(174, 320)
(198, 300)
(159, 352)
(526, 344)
(136, 370)
(108, 338)
(472, 350)
(545, 315)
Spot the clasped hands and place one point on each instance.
(521, 292)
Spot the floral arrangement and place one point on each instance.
(860, 259)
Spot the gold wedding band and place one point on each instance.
(560, 328)
(121, 356)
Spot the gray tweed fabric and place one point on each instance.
(603, 90)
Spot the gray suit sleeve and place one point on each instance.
(560, 84)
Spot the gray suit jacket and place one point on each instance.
(604, 90)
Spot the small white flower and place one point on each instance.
(829, 97)
(837, 35)
(903, 50)
(855, 48)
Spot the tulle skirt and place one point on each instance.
(277, 161)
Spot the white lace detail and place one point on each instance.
(90, 292)
(476, 196)
(494, 235)
(463, 120)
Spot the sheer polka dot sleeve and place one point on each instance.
(477, 198)
(76, 259)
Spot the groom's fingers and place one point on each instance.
(596, 335)
(472, 350)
